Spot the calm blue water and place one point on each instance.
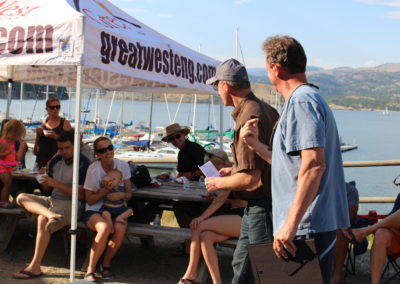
(376, 135)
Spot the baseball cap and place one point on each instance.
(229, 70)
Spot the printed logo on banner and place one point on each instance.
(98, 11)
(13, 8)
(66, 48)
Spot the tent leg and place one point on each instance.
(74, 213)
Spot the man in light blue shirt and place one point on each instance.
(308, 187)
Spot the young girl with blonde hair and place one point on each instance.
(13, 131)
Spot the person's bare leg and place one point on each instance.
(224, 225)
(107, 217)
(114, 243)
(391, 221)
(382, 240)
(99, 225)
(194, 256)
(123, 218)
(340, 255)
(207, 241)
(6, 179)
(32, 206)
(42, 241)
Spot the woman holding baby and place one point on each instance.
(97, 189)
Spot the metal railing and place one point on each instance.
(385, 163)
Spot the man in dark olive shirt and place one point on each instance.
(190, 155)
(250, 177)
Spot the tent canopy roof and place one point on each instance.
(42, 42)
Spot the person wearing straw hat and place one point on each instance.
(249, 177)
(190, 154)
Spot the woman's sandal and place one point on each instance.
(183, 281)
(90, 277)
(106, 272)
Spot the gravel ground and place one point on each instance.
(133, 264)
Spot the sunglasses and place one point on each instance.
(211, 155)
(54, 107)
(173, 137)
(105, 149)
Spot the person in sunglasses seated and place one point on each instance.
(190, 154)
(190, 157)
(46, 134)
(105, 163)
(212, 226)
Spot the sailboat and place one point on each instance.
(386, 111)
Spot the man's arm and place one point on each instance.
(49, 183)
(248, 180)
(249, 133)
(309, 178)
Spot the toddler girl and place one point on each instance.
(13, 131)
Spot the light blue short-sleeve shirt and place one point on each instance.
(308, 122)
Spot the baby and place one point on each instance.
(118, 209)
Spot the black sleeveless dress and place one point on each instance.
(48, 146)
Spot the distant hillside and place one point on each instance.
(369, 88)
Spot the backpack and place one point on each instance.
(140, 175)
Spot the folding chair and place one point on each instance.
(391, 263)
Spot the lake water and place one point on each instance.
(376, 134)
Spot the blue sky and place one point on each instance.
(334, 33)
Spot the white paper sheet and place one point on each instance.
(209, 170)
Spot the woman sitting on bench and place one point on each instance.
(105, 162)
(207, 229)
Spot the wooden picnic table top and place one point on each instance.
(24, 175)
(167, 191)
(173, 191)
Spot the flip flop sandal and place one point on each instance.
(28, 274)
(352, 238)
(51, 223)
(90, 277)
(104, 275)
(182, 281)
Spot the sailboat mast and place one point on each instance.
(20, 101)
(237, 44)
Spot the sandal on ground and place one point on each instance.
(90, 277)
(27, 275)
(106, 272)
(184, 281)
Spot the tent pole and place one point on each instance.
(75, 177)
(9, 92)
(221, 124)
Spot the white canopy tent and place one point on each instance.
(92, 43)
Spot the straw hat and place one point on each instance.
(175, 128)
